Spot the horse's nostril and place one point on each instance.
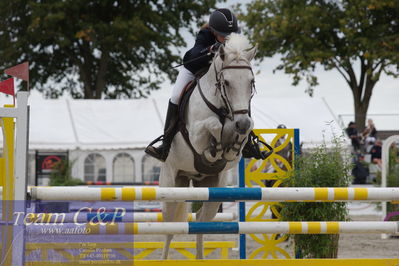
(238, 125)
(242, 126)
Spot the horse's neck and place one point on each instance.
(208, 84)
(197, 108)
(210, 76)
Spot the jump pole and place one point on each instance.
(178, 228)
(118, 217)
(275, 194)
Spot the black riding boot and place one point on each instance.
(252, 149)
(161, 152)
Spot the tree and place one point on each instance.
(358, 38)
(95, 49)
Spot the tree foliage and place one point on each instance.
(95, 49)
(358, 38)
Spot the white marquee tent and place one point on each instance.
(108, 127)
(67, 124)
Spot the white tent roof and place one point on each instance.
(125, 124)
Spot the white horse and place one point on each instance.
(215, 129)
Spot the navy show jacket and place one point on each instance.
(205, 38)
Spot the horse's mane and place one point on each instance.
(236, 46)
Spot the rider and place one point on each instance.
(222, 22)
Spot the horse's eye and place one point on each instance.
(226, 83)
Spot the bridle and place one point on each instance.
(226, 111)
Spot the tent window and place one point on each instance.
(95, 168)
(151, 169)
(123, 168)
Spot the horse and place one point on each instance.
(214, 129)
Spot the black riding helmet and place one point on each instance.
(223, 22)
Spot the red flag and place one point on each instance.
(7, 86)
(20, 71)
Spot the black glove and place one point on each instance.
(214, 48)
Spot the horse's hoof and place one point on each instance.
(209, 157)
(230, 156)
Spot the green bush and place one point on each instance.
(61, 175)
(322, 167)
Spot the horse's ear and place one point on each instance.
(251, 53)
(221, 52)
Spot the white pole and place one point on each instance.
(21, 114)
(21, 174)
(214, 194)
(117, 217)
(218, 228)
(384, 171)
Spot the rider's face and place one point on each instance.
(220, 38)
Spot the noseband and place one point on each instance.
(225, 111)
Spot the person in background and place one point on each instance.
(370, 132)
(286, 152)
(353, 134)
(369, 136)
(376, 153)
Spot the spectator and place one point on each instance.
(286, 152)
(369, 145)
(369, 135)
(360, 171)
(376, 153)
(352, 133)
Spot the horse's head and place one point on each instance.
(235, 84)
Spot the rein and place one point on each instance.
(226, 111)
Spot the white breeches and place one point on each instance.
(184, 77)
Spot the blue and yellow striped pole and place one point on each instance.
(277, 194)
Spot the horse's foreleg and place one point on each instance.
(205, 214)
(211, 126)
(165, 250)
(209, 209)
(232, 151)
(172, 211)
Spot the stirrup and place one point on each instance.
(160, 138)
(252, 148)
(157, 152)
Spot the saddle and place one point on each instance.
(188, 90)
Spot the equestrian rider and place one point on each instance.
(222, 22)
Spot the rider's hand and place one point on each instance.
(214, 48)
